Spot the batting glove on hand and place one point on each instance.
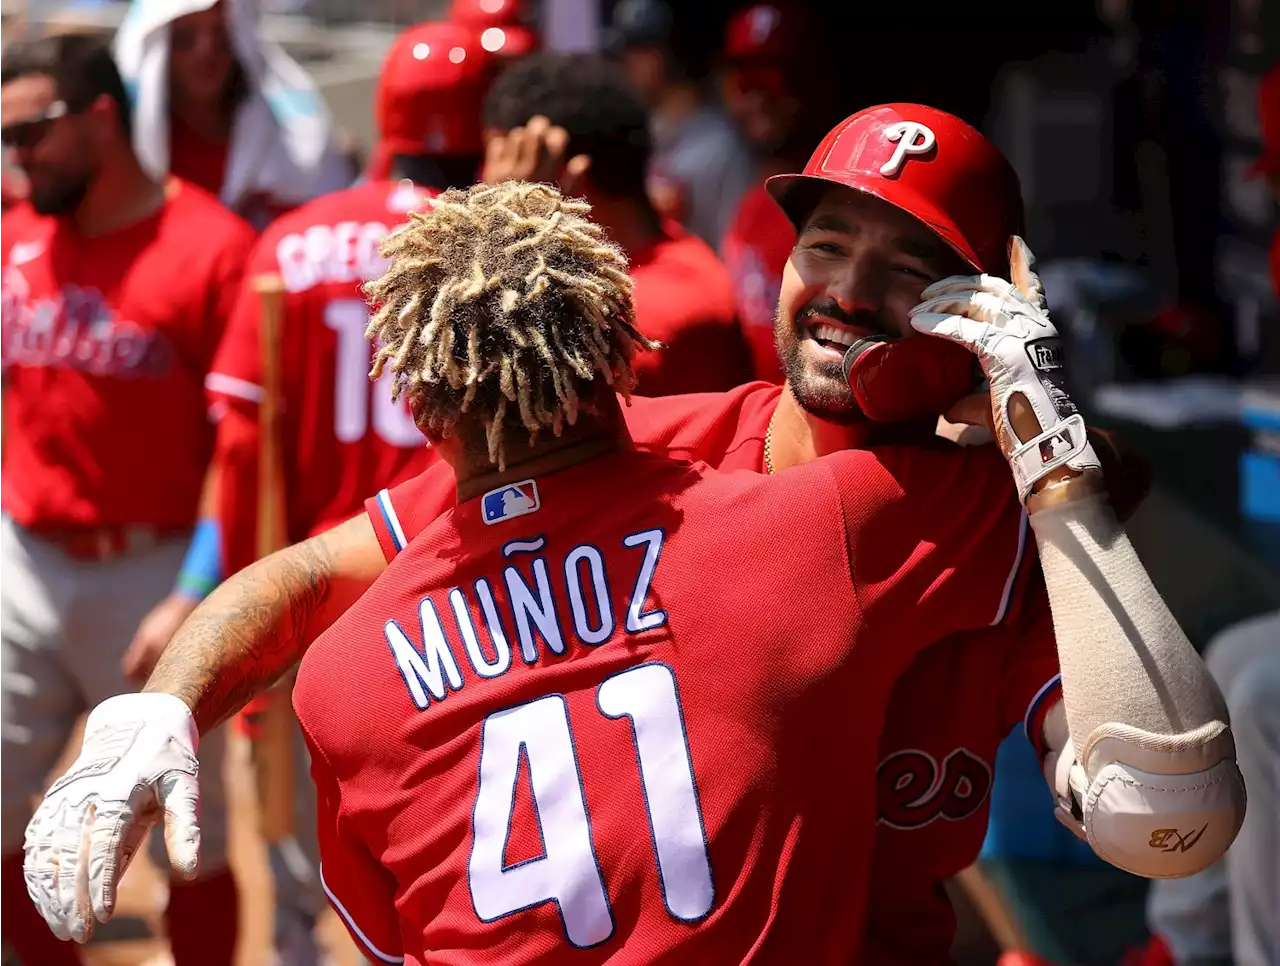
(138, 761)
(1006, 325)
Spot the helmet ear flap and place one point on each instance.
(908, 379)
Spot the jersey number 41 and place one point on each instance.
(568, 872)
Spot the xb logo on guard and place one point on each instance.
(1171, 840)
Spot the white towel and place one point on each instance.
(282, 135)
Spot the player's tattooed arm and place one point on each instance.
(258, 624)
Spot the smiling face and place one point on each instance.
(857, 270)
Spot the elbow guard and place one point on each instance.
(1157, 806)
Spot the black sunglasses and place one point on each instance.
(27, 134)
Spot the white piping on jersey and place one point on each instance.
(231, 386)
(1003, 610)
(364, 940)
(392, 521)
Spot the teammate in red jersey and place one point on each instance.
(537, 347)
(341, 437)
(955, 705)
(116, 291)
(683, 297)
(429, 134)
(523, 872)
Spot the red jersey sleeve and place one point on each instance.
(236, 449)
(400, 513)
(1030, 681)
(236, 373)
(234, 392)
(227, 276)
(360, 889)
(939, 549)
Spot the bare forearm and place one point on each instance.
(258, 624)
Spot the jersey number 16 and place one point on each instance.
(392, 422)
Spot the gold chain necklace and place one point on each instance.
(768, 446)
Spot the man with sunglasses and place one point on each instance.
(116, 289)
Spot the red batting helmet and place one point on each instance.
(487, 13)
(926, 162)
(766, 33)
(431, 92)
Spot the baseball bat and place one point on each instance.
(272, 747)
(993, 909)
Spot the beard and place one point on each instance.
(820, 386)
(59, 197)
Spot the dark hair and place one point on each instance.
(81, 66)
(593, 101)
(439, 171)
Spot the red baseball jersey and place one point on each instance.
(106, 344)
(755, 250)
(947, 716)
(344, 436)
(589, 718)
(683, 298)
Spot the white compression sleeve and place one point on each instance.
(1154, 763)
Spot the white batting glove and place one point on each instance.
(138, 761)
(1006, 325)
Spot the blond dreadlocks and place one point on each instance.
(498, 295)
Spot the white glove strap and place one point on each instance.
(1055, 447)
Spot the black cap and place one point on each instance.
(638, 23)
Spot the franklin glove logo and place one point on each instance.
(1045, 354)
(1171, 840)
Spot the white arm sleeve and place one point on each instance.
(1149, 776)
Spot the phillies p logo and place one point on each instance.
(912, 138)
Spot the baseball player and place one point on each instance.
(341, 436)
(577, 575)
(116, 290)
(767, 48)
(428, 106)
(1189, 775)
(683, 296)
(909, 220)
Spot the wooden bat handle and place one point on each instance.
(274, 743)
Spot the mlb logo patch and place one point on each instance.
(1056, 445)
(510, 501)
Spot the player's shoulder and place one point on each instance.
(192, 212)
(381, 201)
(704, 425)
(935, 463)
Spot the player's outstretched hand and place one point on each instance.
(137, 763)
(1007, 326)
